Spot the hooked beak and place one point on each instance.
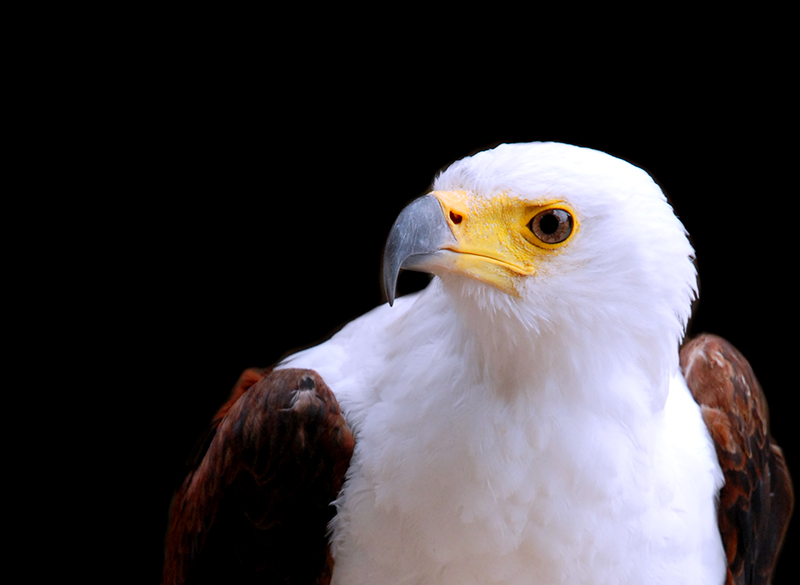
(415, 241)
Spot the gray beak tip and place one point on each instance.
(389, 286)
(418, 232)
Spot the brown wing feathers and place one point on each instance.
(257, 505)
(757, 499)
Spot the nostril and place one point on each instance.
(455, 218)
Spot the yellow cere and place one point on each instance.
(494, 243)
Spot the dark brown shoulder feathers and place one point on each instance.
(757, 498)
(256, 504)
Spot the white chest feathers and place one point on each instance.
(497, 494)
(491, 493)
(458, 479)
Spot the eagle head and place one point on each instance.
(552, 240)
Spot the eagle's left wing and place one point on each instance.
(756, 502)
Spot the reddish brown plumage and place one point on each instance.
(256, 504)
(757, 499)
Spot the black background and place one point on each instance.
(249, 189)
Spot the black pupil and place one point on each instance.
(549, 224)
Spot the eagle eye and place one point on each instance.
(552, 226)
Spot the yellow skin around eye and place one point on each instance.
(494, 244)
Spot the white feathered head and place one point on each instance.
(565, 241)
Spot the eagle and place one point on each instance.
(534, 415)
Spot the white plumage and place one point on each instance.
(542, 438)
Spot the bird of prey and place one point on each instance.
(530, 417)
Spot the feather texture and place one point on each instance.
(255, 507)
(757, 499)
